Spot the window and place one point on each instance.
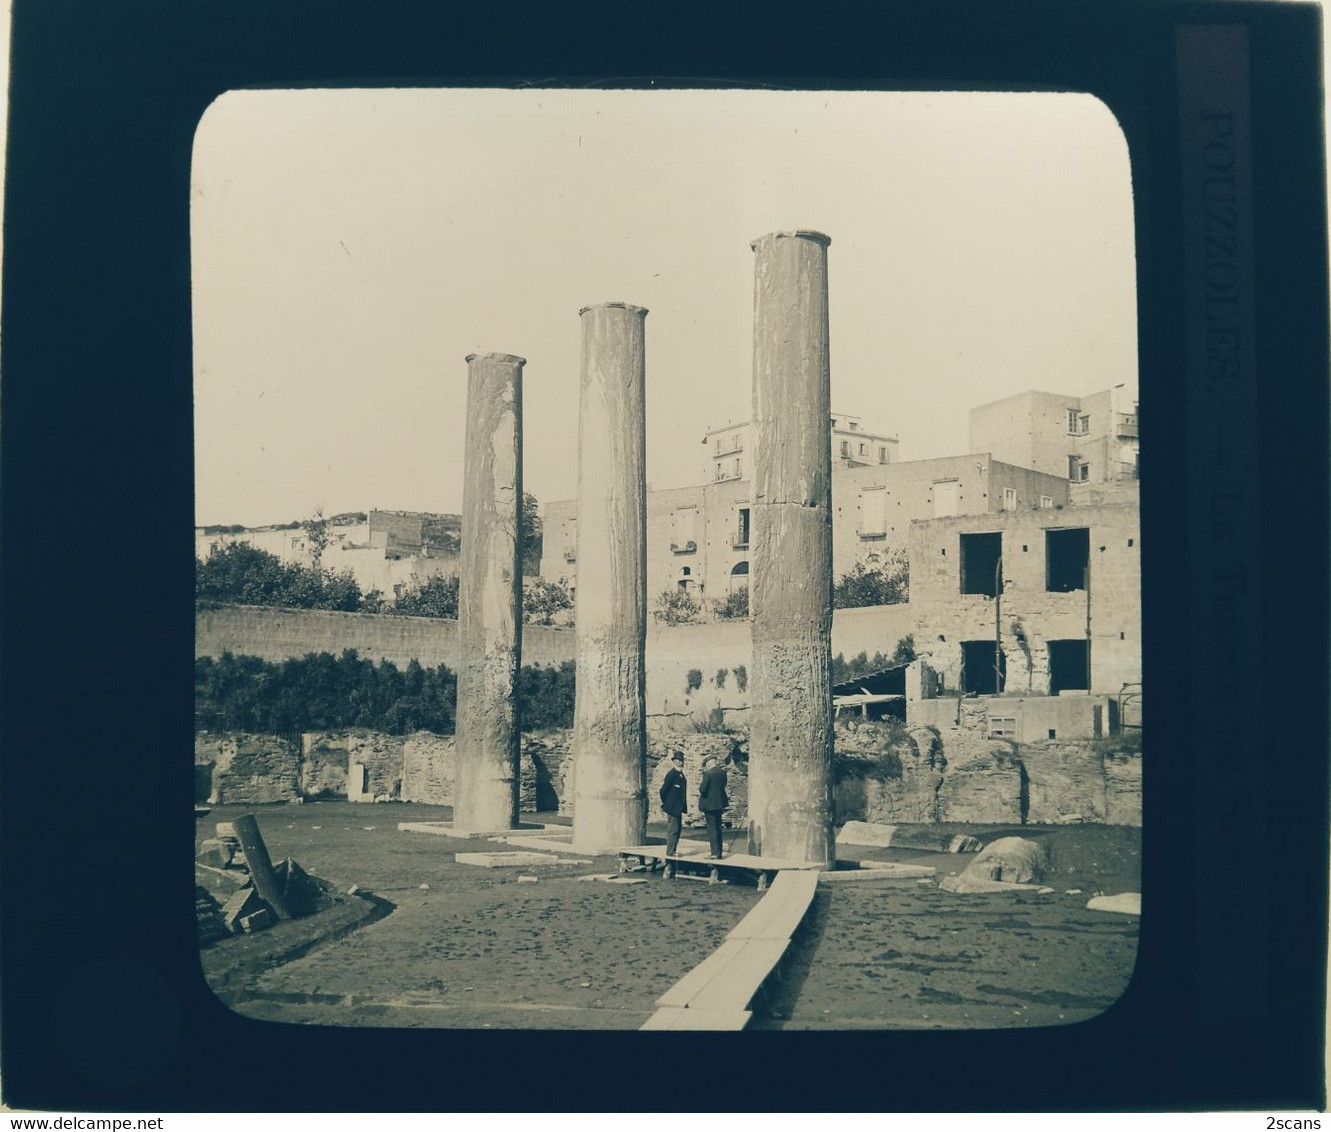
(1072, 422)
(1084, 473)
(742, 527)
(1074, 463)
(1002, 727)
(978, 662)
(1067, 665)
(1083, 425)
(982, 563)
(1009, 499)
(873, 512)
(1067, 558)
(882, 455)
(845, 449)
(737, 467)
(720, 472)
(1046, 501)
(852, 425)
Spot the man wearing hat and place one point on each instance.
(674, 801)
(712, 801)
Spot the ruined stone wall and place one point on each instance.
(1070, 716)
(1030, 615)
(247, 767)
(427, 768)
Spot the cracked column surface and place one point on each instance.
(485, 787)
(790, 741)
(609, 717)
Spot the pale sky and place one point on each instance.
(351, 247)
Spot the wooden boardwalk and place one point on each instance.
(719, 992)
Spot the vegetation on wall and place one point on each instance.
(434, 597)
(321, 692)
(862, 663)
(886, 584)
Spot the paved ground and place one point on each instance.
(478, 948)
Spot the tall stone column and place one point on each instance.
(790, 738)
(609, 718)
(485, 786)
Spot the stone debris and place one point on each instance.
(423, 887)
(964, 843)
(866, 833)
(303, 894)
(216, 853)
(1129, 903)
(242, 905)
(353, 890)
(208, 917)
(613, 878)
(256, 921)
(1073, 892)
(527, 880)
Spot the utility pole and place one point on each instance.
(1086, 579)
(998, 622)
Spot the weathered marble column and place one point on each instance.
(610, 606)
(485, 785)
(790, 739)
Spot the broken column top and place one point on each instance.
(612, 306)
(793, 234)
(513, 358)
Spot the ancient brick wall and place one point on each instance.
(1066, 783)
(248, 768)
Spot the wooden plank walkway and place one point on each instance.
(717, 994)
(695, 862)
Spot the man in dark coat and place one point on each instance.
(712, 801)
(674, 801)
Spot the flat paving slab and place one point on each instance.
(445, 829)
(506, 860)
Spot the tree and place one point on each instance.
(241, 574)
(435, 597)
(316, 530)
(531, 533)
(541, 600)
(888, 584)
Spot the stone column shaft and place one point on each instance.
(485, 788)
(609, 723)
(790, 743)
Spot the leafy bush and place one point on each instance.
(675, 606)
(904, 653)
(693, 681)
(435, 597)
(741, 678)
(321, 692)
(546, 696)
(712, 723)
(733, 605)
(541, 600)
(859, 665)
(720, 679)
(888, 584)
(241, 574)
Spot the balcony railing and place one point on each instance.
(689, 547)
(729, 447)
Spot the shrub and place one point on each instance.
(888, 584)
(238, 573)
(733, 605)
(546, 695)
(741, 678)
(720, 679)
(541, 600)
(675, 606)
(435, 597)
(713, 722)
(693, 681)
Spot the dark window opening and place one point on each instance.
(741, 569)
(1067, 666)
(1067, 556)
(742, 528)
(977, 668)
(981, 563)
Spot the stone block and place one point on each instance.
(1129, 903)
(215, 852)
(244, 902)
(866, 833)
(256, 921)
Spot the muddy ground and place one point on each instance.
(478, 948)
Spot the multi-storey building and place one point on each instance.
(698, 537)
(729, 448)
(1089, 440)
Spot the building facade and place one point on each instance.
(1036, 603)
(698, 537)
(728, 449)
(1089, 440)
